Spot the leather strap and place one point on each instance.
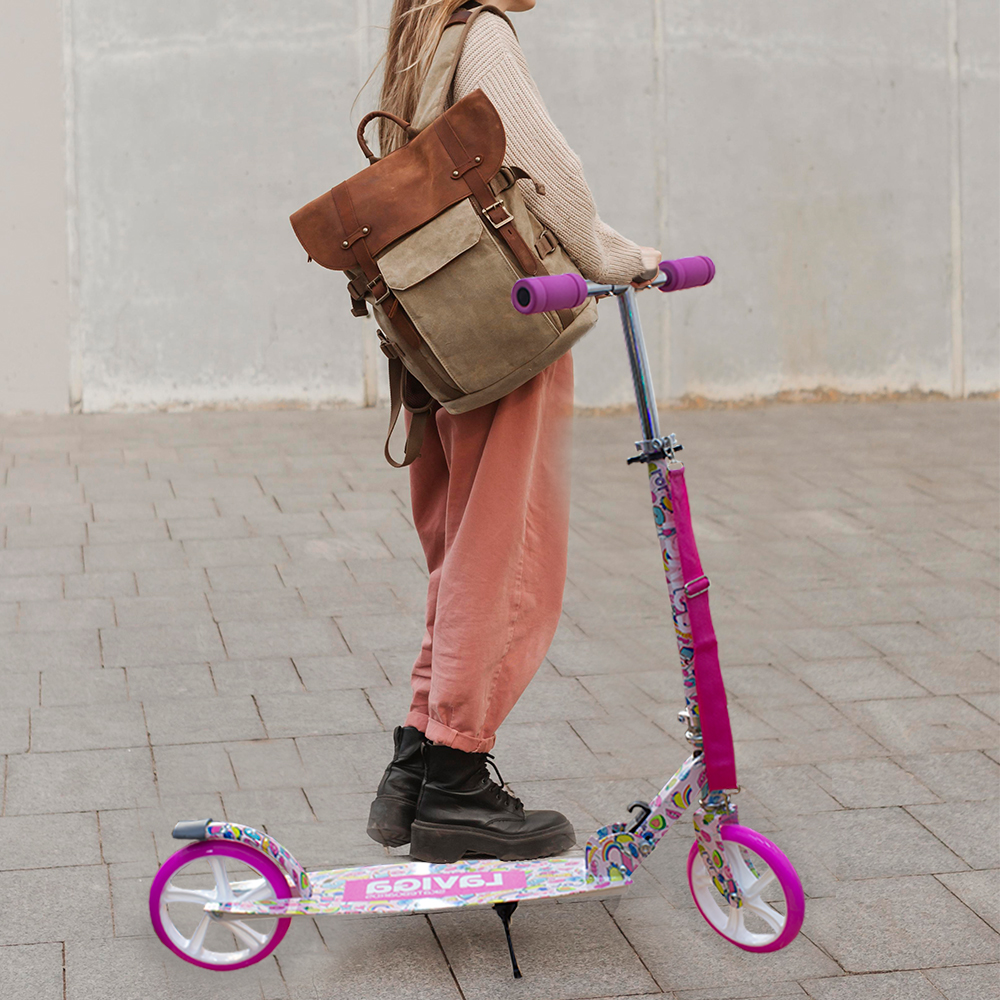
(421, 414)
(720, 756)
(358, 243)
(493, 209)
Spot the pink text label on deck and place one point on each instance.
(361, 890)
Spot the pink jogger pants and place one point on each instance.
(490, 496)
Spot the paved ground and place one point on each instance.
(214, 614)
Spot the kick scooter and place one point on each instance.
(226, 900)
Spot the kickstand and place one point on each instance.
(505, 911)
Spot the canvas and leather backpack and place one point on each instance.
(432, 237)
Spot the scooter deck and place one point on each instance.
(421, 887)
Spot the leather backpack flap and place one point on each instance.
(406, 189)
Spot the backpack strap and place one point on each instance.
(405, 390)
(441, 75)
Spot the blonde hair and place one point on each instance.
(415, 28)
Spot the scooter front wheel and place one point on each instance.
(209, 872)
(773, 901)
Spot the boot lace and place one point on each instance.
(500, 787)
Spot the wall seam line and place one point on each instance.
(74, 327)
(660, 153)
(957, 352)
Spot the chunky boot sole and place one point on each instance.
(389, 821)
(442, 843)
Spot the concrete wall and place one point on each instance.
(838, 160)
(35, 307)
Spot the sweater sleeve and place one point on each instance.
(492, 60)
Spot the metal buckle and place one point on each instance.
(503, 222)
(371, 288)
(697, 593)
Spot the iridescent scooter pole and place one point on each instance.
(568, 291)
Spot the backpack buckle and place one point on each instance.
(379, 299)
(502, 222)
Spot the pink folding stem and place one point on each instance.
(720, 757)
(663, 514)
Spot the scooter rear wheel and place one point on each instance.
(773, 902)
(217, 871)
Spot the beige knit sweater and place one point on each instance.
(492, 60)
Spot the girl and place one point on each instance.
(489, 491)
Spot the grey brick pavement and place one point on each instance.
(215, 613)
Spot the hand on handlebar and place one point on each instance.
(651, 258)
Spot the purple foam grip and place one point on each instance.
(688, 272)
(548, 293)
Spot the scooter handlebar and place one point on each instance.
(567, 291)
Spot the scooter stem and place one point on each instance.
(642, 380)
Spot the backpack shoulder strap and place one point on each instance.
(441, 74)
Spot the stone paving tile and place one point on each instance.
(263, 764)
(21, 690)
(83, 909)
(53, 841)
(257, 677)
(258, 605)
(15, 730)
(988, 704)
(82, 727)
(971, 830)
(79, 780)
(142, 612)
(116, 969)
(165, 582)
(109, 510)
(33, 588)
(259, 639)
(194, 767)
(119, 532)
(682, 953)
(970, 982)
(244, 578)
(38, 650)
(33, 970)
(35, 561)
(317, 714)
(202, 720)
(911, 725)
(116, 584)
(979, 890)
(565, 951)
(134, 555)
(950, 673)
(878, 986)
(181, 680)
(862, 844)
(878, 925)
(861, 784)
(956, 777)
(332, 960)
(161, 644)
(53, 616)
(336, 673)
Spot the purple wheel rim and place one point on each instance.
(215, 848)
(785, 873)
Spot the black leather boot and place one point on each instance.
(396, 800)
(462, 811)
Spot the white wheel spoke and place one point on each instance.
(753, 891)
(175, 894)
(770, 916)
(197, 942)
(734, 922)
(251, 938)
(261, 890)
(223, 890)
